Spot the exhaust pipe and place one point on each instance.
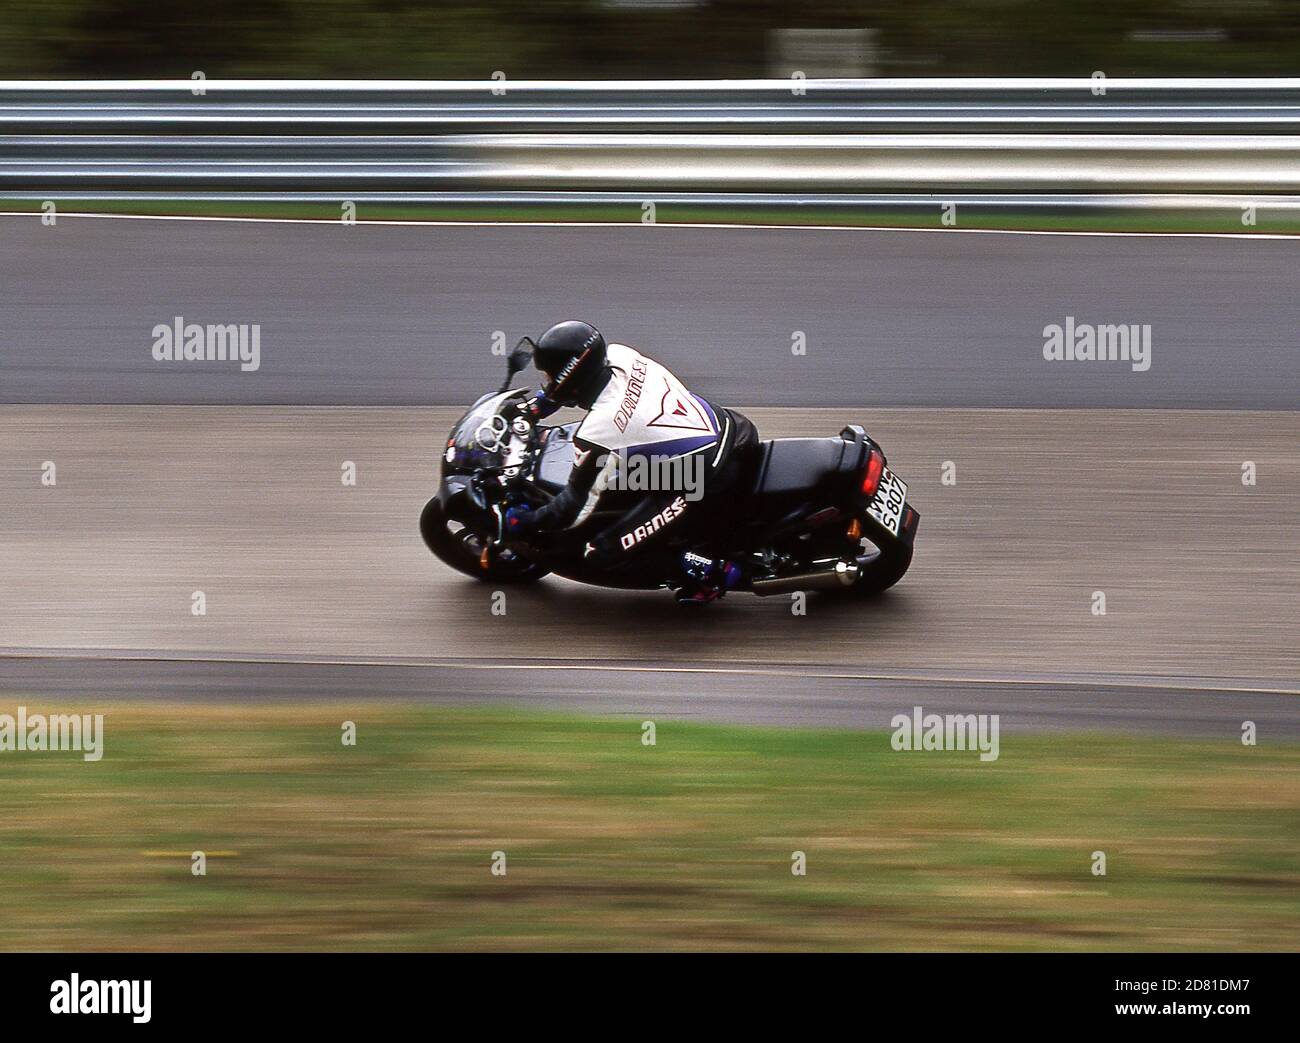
(842, 574)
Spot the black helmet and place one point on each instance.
(572, 354)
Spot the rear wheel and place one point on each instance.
(880, 567)
(462, 549)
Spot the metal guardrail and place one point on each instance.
(1061, 135)
(721, 106)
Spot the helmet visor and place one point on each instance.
(564, 382)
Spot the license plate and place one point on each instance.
(887, 505)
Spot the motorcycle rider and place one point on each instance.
(635, 407)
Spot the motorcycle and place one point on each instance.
(823, 514)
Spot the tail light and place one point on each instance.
(871, 476)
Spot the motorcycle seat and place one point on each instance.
(791, 465)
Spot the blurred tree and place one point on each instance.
(594, 39)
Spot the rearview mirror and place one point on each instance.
(518, 359)
(521, 356)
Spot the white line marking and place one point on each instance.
(787, 671)
(836, 675)
(630, 224)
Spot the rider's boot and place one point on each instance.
(706, 579)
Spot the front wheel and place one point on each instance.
(462, 549)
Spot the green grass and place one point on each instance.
(614, 845)
(1154, 220)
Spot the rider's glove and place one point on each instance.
(525, 407)
(517, 523)
(534, 408)
(517, 408)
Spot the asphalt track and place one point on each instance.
(319, 590)
(400, 315)
(245, 504)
